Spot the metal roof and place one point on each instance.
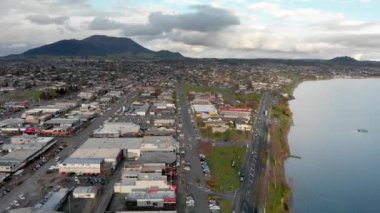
(55, 200)
(82, 161)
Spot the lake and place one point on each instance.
(339, 170)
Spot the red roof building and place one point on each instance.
(235, 112)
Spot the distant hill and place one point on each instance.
(343, 60)
(97, 45)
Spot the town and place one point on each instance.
(115, 135)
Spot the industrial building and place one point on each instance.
(54, 201)
(110, 155)
(117, 129)
(31, 210)
(112, 150)
(22, 150)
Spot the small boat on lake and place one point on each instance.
(363, 130)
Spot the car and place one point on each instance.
(190, 201)
(187, 168)
(21, 196)
(57, 159)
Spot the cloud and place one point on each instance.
(296, 14)
(205, 18)
(44, 19)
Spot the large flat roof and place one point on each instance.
(82, 161)
(157, 157)
(20, 155)
(204, 108)
(30, 210)
(62, 121)
(96, 153)
(112, 143)
(116, 127)
(85, 189)
(11, 122)
(55, 200)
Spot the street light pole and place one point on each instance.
(69, 203)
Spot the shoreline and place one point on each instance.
(283, 121)
(275, 185)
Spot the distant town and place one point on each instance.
(162, 135)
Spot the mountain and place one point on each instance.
(343, 60)
(98, 45)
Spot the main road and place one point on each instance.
(245, 196)
(194, 178)
(32, 186)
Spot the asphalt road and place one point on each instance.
(31, 185)
(191, 178)
(252, 166)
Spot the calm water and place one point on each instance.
(340, 168)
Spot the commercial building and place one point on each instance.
(203, 107)
(112, 150)
(22, 150)
(52, 110)
(81, 166)
(151, 200)
(67, 122)
(235, 112)
(117, 129)
(61, 126)
(142, 177)
(12, 125)
(110, 155)
(85, 192)
(159, 144)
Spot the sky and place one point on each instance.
(294, 29)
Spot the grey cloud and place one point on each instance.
(205, 18)
(338, 26)
(44, 19)
(368, 41)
